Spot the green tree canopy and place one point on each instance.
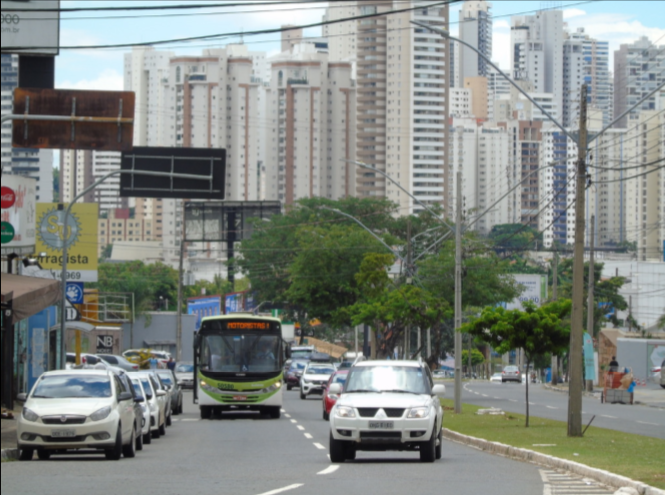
(536, 330)
(514, 236)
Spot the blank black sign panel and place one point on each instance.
(206, 165)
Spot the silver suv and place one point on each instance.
(387, 406)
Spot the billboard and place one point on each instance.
(18, 215)
(534, 290)
(27, 25)
(81, 239)
(203, 307)
(234, 303)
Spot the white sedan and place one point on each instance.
(496, 377)
(85, 409)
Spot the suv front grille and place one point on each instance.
(368, 412)
(394, 413)
(391, 435)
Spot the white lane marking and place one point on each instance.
(532, 404)
(650, 424)
(608, 417)
(287, 415)
(282, 490)
(512, 400)
(189, 420)
(294, 421)
(308, 436)
(497, 398)
(319, 446)
(301, 428)
(283, 410)
(552, 407)
(330, 470)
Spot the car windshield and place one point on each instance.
(137, 388)
(146, 386)
(240, 353)
(340, 379)
(166, 379)
(298, 366)
(301, 354)
(73, 386)
(399, 379)
(320, 370)
(185, 368)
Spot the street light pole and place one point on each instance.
(458, 298)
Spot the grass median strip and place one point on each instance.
(634, 456)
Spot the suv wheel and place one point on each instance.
(428, 450)
(206, 412)
(302, 395)
(139, 441)
(147, 439)
(26, 455)
(129, 450)
(439, 447)
(115, 453)
(350, 453)
(337, 450)
(162, 430)
(44, 455)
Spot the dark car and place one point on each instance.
(294, 374)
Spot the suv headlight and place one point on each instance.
(418, 413)
(101, 415)
(30, 415)
(345, 412)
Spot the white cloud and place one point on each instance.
(501, 49)
(107, 80)
(570, 13)
(502, 24)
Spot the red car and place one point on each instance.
(328, 399)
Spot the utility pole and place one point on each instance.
(409, 254)
(181, 263)
(458, 298)
(575, 365)
(592, 274)
(555, 297)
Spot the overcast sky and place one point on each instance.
(614, 21)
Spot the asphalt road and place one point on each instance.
(242, 454)
(511, 397)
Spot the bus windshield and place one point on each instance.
(240, 353)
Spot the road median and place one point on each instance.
(615, 459)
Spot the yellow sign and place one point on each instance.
(81, 239)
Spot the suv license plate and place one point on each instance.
(381, 425)
(63, 433)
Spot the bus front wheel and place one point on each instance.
(275, 412)
(206, 412)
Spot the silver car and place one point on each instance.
(169, 380)
(511, 374)
(118, 362)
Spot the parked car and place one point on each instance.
(145, 409)
(295, 373)
(160, 385)
(89, 359)
(496, 377)
(330, 399)
(389, 406)
(118, 361)
(155, 397)
(184, 374)
(169, 380)
(137, 399)
(439, 374)
(74, 410)
(314, 377)
(511, 374)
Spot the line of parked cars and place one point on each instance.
(98, 406)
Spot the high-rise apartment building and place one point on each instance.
(402, 87)
(311, 112)
(537, 52)
(34, 163)
(638, 69)
(475, 28)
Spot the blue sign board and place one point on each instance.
(75, 292)
(234, 303)
(37, 351)
(203, 307)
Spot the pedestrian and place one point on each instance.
(171, 364)
(614, 365)
(153, 362)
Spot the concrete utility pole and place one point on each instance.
(409, 255)
(555, 297)
(181, 263)
(590, 303)
(458, 298)
(575, 365)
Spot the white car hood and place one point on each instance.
(383, 400)
(317, 378)
(74, 407)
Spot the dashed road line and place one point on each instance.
(512, 400)
(287, 415)
(301, 428)
(294, 421)
(308, 436)
(608, 417)
(650, 424)
(330, 470)
(319, 446)
(552, 407)
(282, 490)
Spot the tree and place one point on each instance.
(477, 357)
(514, 236)
(537, 330)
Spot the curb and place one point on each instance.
(595, 395)
(605, 477)
(10, 454)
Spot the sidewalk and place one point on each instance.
(644, 396)
(8, 434)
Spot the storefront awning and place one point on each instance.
(29, 295)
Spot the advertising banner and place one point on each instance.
(234, 303)
(204, 307)
(81, 238)
(18, 215)
(589, 359)
(534, 290)
(37, 32)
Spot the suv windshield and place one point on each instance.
(166, 379)
(399, 379)
(185, 368)
(73, 386)
(320, 370)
